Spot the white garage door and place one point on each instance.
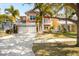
(27, 28)
(31, 29)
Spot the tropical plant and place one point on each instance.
(43, 10)
(14, 12)
(68, 12)
(4, 17)
(74, 7)
(55, 10)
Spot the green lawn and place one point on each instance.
(70, 34)
(57, 35)
(2, 33)
(49, 50)
(56, 49)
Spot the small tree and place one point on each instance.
(43, 9)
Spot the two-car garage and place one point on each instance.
(28, 28)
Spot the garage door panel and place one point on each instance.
(31, 29)
(27, 28)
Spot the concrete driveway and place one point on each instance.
(17, 45)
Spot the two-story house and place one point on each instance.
(31, 21)
(47, 22)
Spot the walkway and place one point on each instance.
(55, 40)
(18, 45)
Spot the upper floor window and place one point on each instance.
(46, 20)
(32, 17)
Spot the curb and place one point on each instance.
(7, 37)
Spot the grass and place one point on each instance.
(56, 49)
(71, 34)
(50, 50)
(2, 33)
(57, 35)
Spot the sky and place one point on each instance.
(20, 6)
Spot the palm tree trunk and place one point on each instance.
(66, 20)
(15, 27)
(40, 26)
(77, 12)
(36, 27)
(77, 34)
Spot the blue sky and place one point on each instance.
(22, 8)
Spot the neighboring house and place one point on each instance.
(31, 21)
(23, 19)
(46, 23)
(21, 24)
(7, 25)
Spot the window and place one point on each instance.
(46, 27)
(32, 17)
(46, 20)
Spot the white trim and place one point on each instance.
(64, 22)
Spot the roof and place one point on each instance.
(31, 11)
(22, 16)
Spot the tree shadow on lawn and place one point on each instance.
(66, 34)
(55, 49)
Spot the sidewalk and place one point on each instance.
(55, 40)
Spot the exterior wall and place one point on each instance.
(46, 22)
(22, 19)
(28, 17)
(56, 24)
(30, 24)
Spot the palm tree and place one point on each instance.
(43, 9)
(14, 13)
(76, 8)
(68, 11)
(55, 9)
(4, 17)
(77, 21)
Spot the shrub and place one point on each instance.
(15, 28)
(9, 31)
